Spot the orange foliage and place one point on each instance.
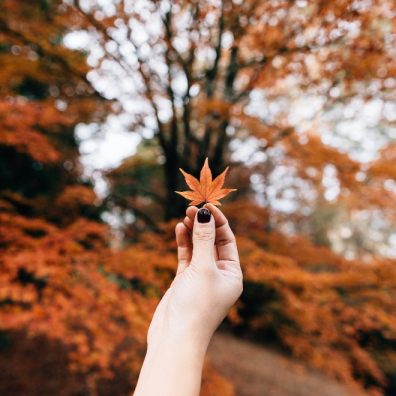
(335, 314)
(65, 284)
(20, 130)
(64, 294)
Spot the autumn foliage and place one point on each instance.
(335, 314)
(319, 282)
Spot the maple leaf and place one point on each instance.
(205, 189)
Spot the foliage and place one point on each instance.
(68, 323)
(334, 314)
(215, 80)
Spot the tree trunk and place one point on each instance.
(175, 204)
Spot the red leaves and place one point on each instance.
(205, 189)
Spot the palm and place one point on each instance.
(194, 288)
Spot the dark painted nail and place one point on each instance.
(203, 215)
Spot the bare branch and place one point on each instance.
(211, 74)
(168, 60)
(141, 69)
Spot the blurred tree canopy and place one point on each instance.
(267, 86)
(203, 77)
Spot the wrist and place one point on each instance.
(173, 365)
(183, 339)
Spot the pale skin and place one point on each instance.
(207, 283)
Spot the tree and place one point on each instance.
(199, 75)
(198, 79)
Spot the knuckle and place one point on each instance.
(203, 235)
(226, 240)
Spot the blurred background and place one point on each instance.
(101, 101)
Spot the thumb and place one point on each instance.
(203, 238)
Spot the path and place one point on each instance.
(257, 371)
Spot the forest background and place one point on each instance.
(101, 102)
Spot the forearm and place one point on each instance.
(198, 299)
(172, 367)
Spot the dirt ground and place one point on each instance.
(257, 371)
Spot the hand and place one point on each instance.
(207, 283)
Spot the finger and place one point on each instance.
(191, 212)
(225, 238)
(188, 223)
(203, 238)
(184, 248)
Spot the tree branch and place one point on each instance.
(141, 70)
(139, 213)
(211, 73)
(167, 21)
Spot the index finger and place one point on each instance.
(225, 238)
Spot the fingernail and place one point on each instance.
(203, 215)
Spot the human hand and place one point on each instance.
(207, 283)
